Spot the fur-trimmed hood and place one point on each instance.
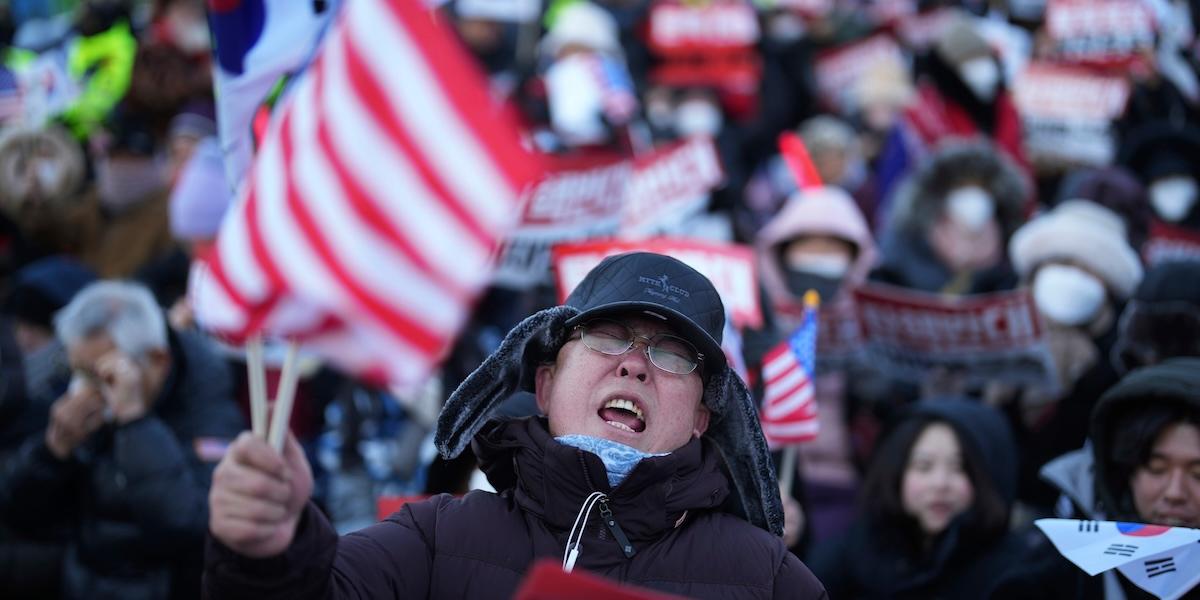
(920, 199)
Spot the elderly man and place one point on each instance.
(648, 468)
(126, 459)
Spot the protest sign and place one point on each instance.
(838, 70)
(731, 268)
(1100, 32)
(986, 337)
(839, 338)
(709, 44)
(606, 197)
(1067, 113)
(1169, 243)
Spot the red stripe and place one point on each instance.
(792, 368)
(466, 89)
(370, 213)
(373, 97)
(787, 393)
(427, 341)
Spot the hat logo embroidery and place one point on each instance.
(661, 288)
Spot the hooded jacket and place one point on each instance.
(909, 260)
(869, 563)
(481, 545)
(825, 211)
(1042, 572)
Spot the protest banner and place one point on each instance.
(1110, 33)
(1067, 113)
(731, 268)
(1169, 243)
(839, 339)
(987, 337)
(839, 69)
(608, 197)
(710, 44)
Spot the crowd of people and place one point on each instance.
(958, 149)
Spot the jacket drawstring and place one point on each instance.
(571, 553)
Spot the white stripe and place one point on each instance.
(425, 109)
(397, 190)
(215, 310)
(370, 261)
(785, 383)
(784, 361)
(775, 410)
(237, 257)
(774, 430)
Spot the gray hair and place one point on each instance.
(124, 310)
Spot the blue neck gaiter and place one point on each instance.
(618, 458)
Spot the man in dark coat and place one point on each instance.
(1145, 454)
(648, 468)
(127, 456)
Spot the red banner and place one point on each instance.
(1067, 112)
(731, 268)
(1104, 32)
(840, 69)
(986, 337)
(606, 197)
(1170, 243)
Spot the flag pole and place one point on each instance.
(787, 469)
(258, 387)
(284, 397)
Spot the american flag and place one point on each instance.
(789, 412)
(370, 219)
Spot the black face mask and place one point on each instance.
(799, 282)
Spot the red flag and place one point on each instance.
(795, 155)
(789, 412)
(370, 220)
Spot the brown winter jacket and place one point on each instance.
(481, 545)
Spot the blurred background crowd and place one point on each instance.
(963, 147)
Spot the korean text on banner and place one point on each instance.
(985, 337)
(374, 208)
(1068, 112)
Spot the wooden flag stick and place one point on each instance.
(284, 397)
(787, 470)
(258, 387)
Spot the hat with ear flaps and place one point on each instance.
(658, 287)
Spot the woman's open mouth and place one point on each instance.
(623, 414)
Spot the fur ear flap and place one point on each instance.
(737, 433)
(508, 369)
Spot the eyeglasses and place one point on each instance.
(670, 353)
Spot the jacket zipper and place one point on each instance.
(611, 522)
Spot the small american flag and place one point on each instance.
(789, 413)
(370, 219)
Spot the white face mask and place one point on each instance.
(982, 75)
(1173, 197)
(826, 265)
(970, 207)
(1067, 295)
(697, 117)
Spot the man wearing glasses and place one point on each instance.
(648, 467)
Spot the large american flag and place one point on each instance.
(370, 219)
(789, 411)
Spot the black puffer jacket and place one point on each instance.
(138, 493)
(481, 545)
(871, 563)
